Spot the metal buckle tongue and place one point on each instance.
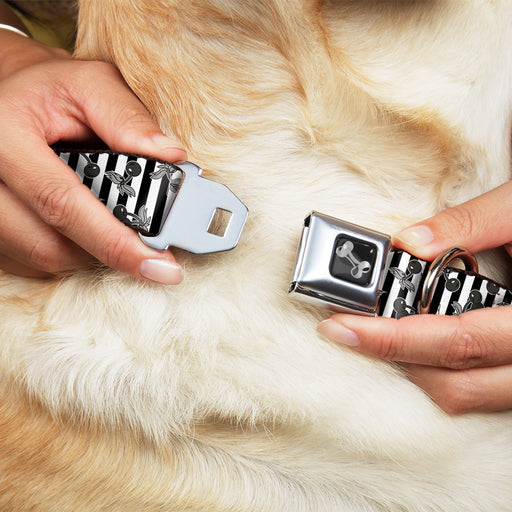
(188, 221)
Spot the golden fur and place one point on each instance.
(217, 394)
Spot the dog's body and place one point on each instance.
(218, 394)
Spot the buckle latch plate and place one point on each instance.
(188, 221)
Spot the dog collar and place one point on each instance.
(169, 204)
(352, 269)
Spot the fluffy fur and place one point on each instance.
(218, 394)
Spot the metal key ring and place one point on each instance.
(437, 266)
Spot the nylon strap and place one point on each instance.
(455, 292)
(139, 191)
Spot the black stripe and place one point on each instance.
(159, 210)
(477, 286)
(122, 198)
(507, 300)
(457, 296)
(145, 185)
(488, 302)
(93, 157)
(73, 160)
(106, 184)
(396, 257)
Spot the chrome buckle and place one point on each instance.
(340, 265)
(188, 221)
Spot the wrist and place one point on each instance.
(18, 52)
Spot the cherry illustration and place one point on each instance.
(140, 221)
(91, 170)
(414, 267)
(452, 285)
(492, 287)
(475, 299)
(402, 308)
(120, 212)
(133, 168)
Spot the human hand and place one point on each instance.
(50, 222)
(463, 362)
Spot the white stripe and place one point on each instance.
(136, 183)
(395, 288)
(97, 182)
(170, 197)
(153, 196)
(466, 290)
(499, 297)
(64, 157)
(80, 166)
(113, 195)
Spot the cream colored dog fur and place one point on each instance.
(217, 394)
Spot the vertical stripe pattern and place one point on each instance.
(138, 190)
(455, 292)
(402, 286)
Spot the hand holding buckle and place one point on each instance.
(352, 269)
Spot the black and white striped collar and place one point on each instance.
(169, 204)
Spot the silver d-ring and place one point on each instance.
(437, 266)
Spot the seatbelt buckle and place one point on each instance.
(351, 269)
(169, 204)
(189, 222)
(340, 265)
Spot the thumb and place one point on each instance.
(476, 225)
(119, 118)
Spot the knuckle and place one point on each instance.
(132, 117)
(461, 220)
(465, 348)
(53, 202)
(60, 53)
(389, 346)
(115, 251)
(460, 394)
(43, 257)
(98, 69)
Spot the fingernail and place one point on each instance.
(338, 333)
(416, 236)
(161, 271)
(164, 143)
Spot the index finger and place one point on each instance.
(51, 189)
(474, 339)
(117, 115)
(478, 224)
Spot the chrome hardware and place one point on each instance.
(340, 265)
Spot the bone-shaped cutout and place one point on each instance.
(359, 267)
